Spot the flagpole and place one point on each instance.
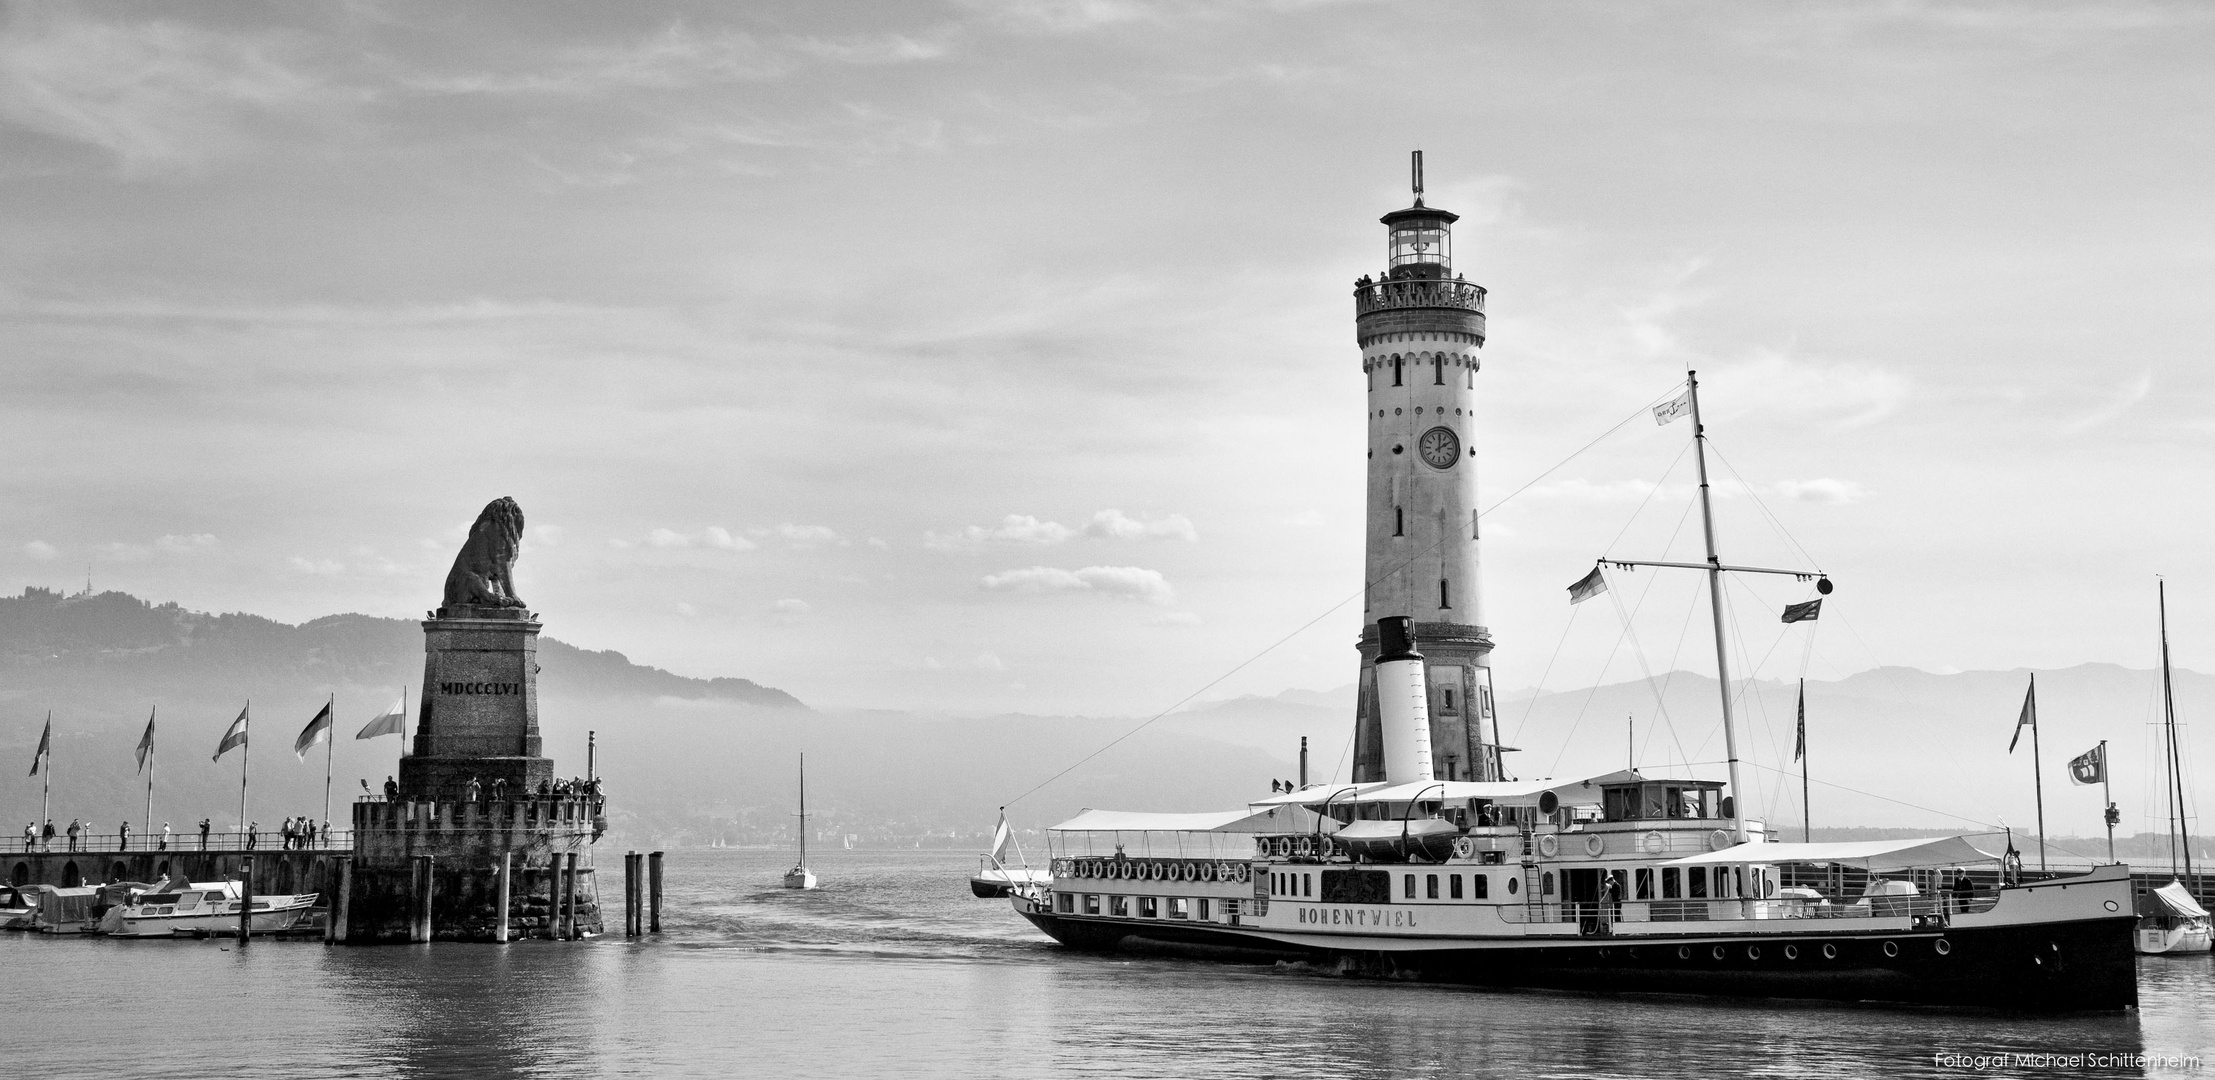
(2107, 795)
(330, 748)
(148, 827)
(2038, 780)
(1807, 815)
(1715, 608)
(46, 782)
(246, 747)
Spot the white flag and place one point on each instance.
(1670, 410)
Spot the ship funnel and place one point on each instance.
(1403, 703)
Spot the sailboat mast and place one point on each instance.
(2180, 825)
(803, 809)
(1715, 606)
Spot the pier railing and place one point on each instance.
(232, 839)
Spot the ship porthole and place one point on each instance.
(1684, 952)
(1791, 952)
(1891, 948)
(1718, 952)
(1753, 952)
(1830, 952)
(1943, 946)
(2111, 906)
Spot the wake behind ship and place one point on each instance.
(1434, 863)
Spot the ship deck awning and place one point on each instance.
(1131, 821)
(1876, 856)
(1583, 791)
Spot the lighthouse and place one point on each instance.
(1420, 326)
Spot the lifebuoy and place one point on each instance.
(1549, 845)
(1207, 871)
(1245, 873)
(1184, 871)
(1594, 846)
(1156, 872)
(1718, 840)
(1226, 872)
(1303, 847)
(1464, 847)
(1284, 847)
(1656, 843)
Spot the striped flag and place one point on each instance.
(45, 746)
(146, 742)
(1591, 585)
(1799, 749)
(2029, 718)
(235, 735)
(1000, 836)
(393, 722)
(317, 730)
(1806, 612)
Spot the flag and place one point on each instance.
(1591, 585)
(317, 730)
(235, 735)
(1670, 410)
(146, 742)
(1000, 837)
(1799, 749)
(2029, 719)
(2089, 767)
(1803, 612)
(393, 722)
(45, 746)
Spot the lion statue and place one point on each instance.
(482, 573)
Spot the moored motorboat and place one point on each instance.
(208, 908)
(2172, 923)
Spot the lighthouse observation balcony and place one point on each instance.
(1419, 306)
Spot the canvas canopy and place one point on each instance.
(1224, 834)
(1876, 856)
(2174, 899)
(1509, 792)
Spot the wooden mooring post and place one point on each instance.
(569, 898)
(503, 894)
(630, 894)
(245, 901)
(336, 925)
(653, 889)
(419, 925)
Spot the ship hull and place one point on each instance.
(2086, 966)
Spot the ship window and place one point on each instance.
(1307, 884)
(1430, 886)
(1455, 889)
(1065, 903)
(1178, 908)
(1671, 887)
(1203, 905)
(1695, 883)
(1149, 907)
(1092, 903)
(1546, 884)
(1407, 886)
(1512, 885)
(1645, 884)
(1119, 906)
(1484, 884)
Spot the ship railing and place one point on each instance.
(1736, 908)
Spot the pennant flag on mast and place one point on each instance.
(1592, 584)
(2089, 767)
(1669, 410)
(1806, 612)
(317, 730)
(2029, 718)
(1000, 836)
(1799, 749)
(235, 735)
(393, 722)
(146, 742)
(45, 747)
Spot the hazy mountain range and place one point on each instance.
(693, 760)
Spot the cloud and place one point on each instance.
(2126, 394)
(40, 550)
(316, 566)
(1114, 524)
(988, 661)
(1821, 490)
(175, 543)
(1120, 582)
(789, 611)
(1176, 618)
(711, 537)
(804, 536)
(122, 552)
(548, 535)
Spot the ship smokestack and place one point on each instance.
(1303, 763)
(1403, 702)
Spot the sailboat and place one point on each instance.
(800, 877)
(2170, 920)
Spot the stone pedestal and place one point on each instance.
(479, 707)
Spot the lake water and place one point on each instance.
(893, 970)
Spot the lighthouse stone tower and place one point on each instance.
(1420, 328)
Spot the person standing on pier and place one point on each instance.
(123, 837)
(30, 836)
(74, 829)
(165, 836)
(49, 835)
(203, 834)
(253, 834)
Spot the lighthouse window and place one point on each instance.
(1438, 371)
(1399, 521)
(1396, 371)
(1445, 600)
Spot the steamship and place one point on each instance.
(1433, 863)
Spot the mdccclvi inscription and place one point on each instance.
(480, 688)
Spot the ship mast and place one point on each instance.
(1715, 608)
(2180, 826)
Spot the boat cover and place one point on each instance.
(1877, 856)
(2176, 900)
(1513, 792)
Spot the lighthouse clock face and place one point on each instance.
(1440, 448)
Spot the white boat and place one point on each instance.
(995, 878)
(2170, 921)
(1447, 868)
(207, 908)
(800, 877)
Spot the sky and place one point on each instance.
(984, 357)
